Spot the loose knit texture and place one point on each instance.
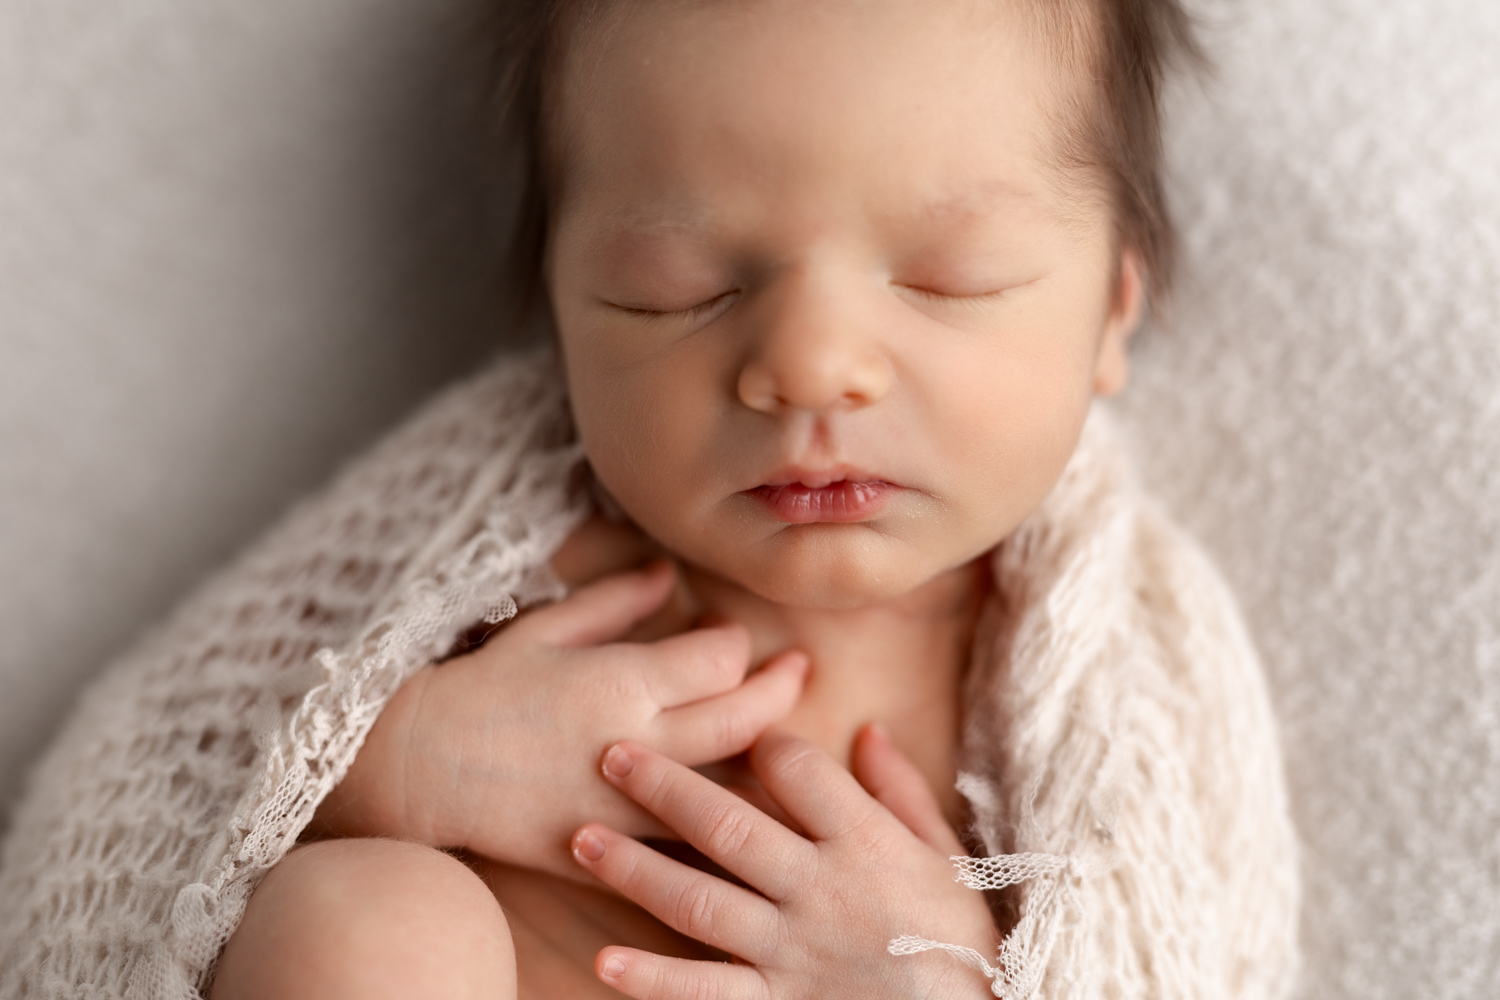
(1116, 716)
(1116, 721)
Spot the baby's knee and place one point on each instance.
(369, 918)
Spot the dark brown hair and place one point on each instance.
(1113, 132)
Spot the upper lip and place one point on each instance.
(816, 479)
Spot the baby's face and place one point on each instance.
(832, 317)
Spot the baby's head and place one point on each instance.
(836, 280)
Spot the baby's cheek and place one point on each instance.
(1013, 453)
(649, 431)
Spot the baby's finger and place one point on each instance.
(645, 976)
(757, 797)
(697, 664)
(725, 725)
(691, 902)
(896, 784)
(810, 785)
(603, 611)
(719, 823)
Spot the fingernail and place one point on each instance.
(618, 763)
(588, 846)
(613, 967)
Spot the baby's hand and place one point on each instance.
(496, 751)
(874, 865)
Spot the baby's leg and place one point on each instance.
(371, 919)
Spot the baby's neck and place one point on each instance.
(899, 663)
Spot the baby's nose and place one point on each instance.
(809, 354)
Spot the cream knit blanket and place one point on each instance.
(1119, 750)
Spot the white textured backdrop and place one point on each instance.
(1325, 414)
(236, 240)
(240, 238)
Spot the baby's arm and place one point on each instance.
(496, 751)
(871, 864)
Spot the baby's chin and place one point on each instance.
(825, 567)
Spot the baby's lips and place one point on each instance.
(842, 502)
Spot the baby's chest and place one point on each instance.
(558, 926)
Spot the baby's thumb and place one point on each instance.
(896, 783)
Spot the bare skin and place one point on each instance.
(860, 655)
(321, 925)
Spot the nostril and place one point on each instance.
(758, 391)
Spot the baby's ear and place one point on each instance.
(1127, 304)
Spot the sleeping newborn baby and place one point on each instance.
(837, 602)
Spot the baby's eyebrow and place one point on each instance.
(666, 217)
(634, 226)
(647, 237)
(976, 202)
(684, 223)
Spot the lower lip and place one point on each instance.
(836, 503)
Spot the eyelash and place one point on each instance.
(709, 305)
(690, 313)
(969, 301)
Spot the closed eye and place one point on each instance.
(696, 313)
(968, 301)
(975, 301)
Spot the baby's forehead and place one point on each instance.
(579, 94)
(967, 107)
(1062, 30)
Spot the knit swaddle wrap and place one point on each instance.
(1121, 761)
(1115, 719)
(192, 765)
